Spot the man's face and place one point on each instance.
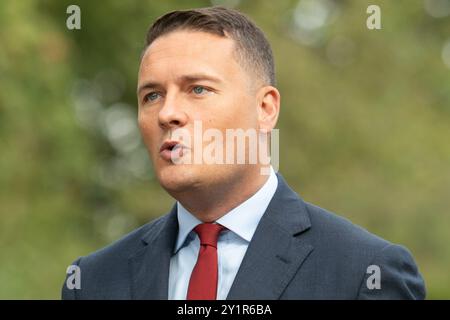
(188, 76)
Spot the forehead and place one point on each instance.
(187, 51)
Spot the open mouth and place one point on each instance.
(171, 150)
(168, 145)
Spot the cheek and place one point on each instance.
(149, 130)
(236, 112)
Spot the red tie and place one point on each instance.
(203, 282)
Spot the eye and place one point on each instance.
(200, 90)
(152, 96)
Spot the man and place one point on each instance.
(234, 233)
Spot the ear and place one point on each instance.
(268, 107)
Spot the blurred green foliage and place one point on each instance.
(364, 127)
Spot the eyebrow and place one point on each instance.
(182, 79)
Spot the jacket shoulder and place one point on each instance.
(351, 252)
(107, 266)
(127, 245)
(337, 231)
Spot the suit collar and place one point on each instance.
(288, 210)
(149, 266)
(277, 249)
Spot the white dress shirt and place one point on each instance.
(232, 244)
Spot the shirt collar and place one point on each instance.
(242, 220)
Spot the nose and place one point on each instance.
(172, 114)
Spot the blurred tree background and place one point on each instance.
(364, 127)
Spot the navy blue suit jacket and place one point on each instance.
(299, 251)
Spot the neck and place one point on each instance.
(212, 202)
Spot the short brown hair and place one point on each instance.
(253, 50)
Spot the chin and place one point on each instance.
(178, 178)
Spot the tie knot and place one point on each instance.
(209, 233)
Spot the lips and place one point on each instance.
(171, 150)
(168, 145)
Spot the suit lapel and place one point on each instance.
(150, 265)
(276, 250)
